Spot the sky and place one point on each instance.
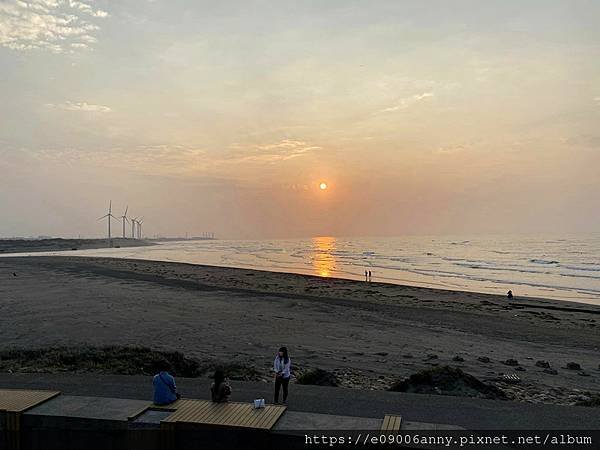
(423, 117)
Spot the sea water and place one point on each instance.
(565, 268)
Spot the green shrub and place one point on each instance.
(109, 360)
(317, 377)
(447, 381)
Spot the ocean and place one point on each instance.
(564, 268)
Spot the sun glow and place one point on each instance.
(323, 258)
(323, 186)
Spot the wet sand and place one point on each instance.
(370, 334)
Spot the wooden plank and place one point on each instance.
(265, 421)
(219, 411)
(386, 423)
(205, 413)
(232, 414)
(263, 416)
(391, 423)
(259, 416)
(237, 414)
(196, 409)
(175, 405)
(20, 400)
(179, 406)
(178, 412)
(279, 410)
(187, 409)
(266, 417)
(246, 420)
(243, 416)
(256, 416)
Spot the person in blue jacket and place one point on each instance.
(165, 390)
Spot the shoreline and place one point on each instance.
(379, 280)
(369, 334)
(532, 301)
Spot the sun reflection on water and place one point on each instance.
(323, 260)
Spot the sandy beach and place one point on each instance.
(61, 244)
(369, 334)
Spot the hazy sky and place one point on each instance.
(424, 117)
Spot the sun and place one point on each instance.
(323, 186)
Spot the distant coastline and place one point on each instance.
(60, 244)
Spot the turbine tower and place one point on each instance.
(108, 217)
(124, 217)
(133, 222)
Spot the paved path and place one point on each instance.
(466, 412)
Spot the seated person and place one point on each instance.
(220, 389)
(165, 391)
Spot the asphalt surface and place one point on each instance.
(470, 413)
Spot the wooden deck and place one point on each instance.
(231, 414)
(19, 400)
(391, 423)
(13, 402)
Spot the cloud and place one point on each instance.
(282, 150)
(406, 102)
(55, 25)
(158, 159)
(100, 13)
(86, 8)
(80, 106)
(590, 141)
(597, 100)
(451, 149)
(172, 160)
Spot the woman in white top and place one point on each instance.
(281, 367)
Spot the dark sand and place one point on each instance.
(369, 333)
(59, 244)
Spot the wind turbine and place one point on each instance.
(108, 217)
(124, 217)
(140, 222)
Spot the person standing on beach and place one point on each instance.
(281, 367)
(366, 276)
(369, 275)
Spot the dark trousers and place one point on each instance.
(279, 382)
